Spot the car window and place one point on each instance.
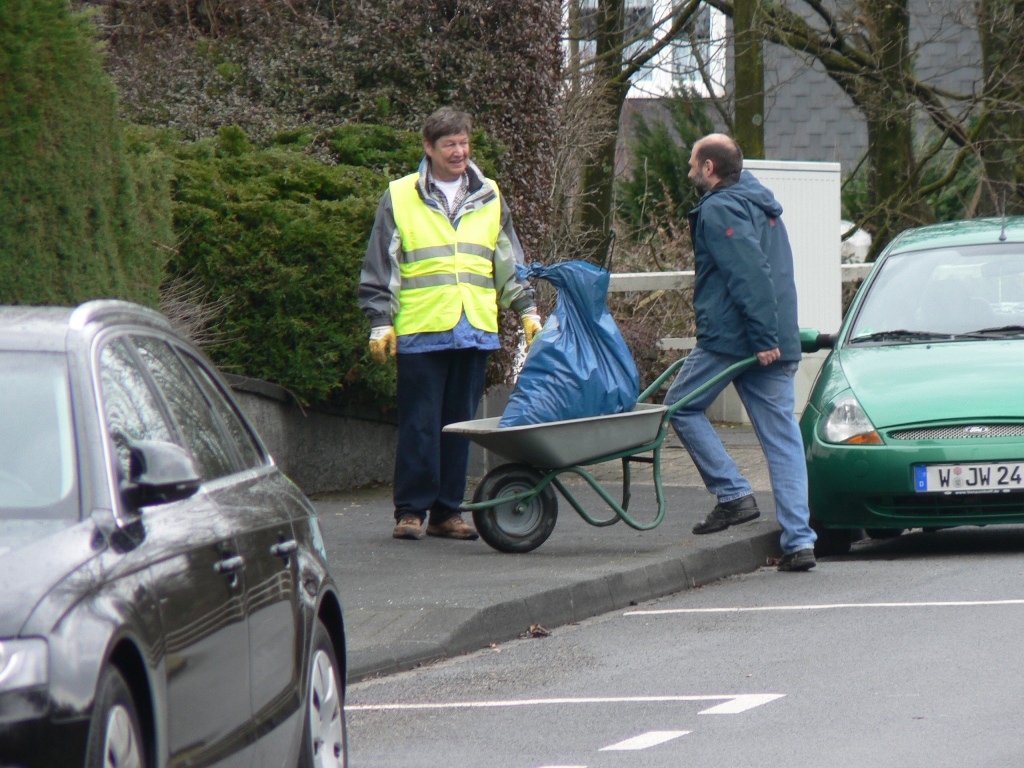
(212, 451)
(37, 439)
(131, 408)
(247, 448)
(945, 291)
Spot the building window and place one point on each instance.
(695, 60)
(698, 60)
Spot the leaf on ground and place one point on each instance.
(536, 630)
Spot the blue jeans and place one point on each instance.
(768, 395)
(435, 389)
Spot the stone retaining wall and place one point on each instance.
(320, 451)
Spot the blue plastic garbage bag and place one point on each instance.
(579, 364)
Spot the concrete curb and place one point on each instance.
(447, 631)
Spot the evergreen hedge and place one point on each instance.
(275, 233)
(658, 187)
(84, 212)
(267, 66)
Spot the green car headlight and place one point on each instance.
(23, 664)
(847, 423)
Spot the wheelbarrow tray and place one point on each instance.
(558, 444)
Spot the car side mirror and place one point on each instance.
(159, 473)
(811, 340)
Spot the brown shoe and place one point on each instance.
(408, 527)
(453, 528)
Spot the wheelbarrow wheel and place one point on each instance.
(513, 526)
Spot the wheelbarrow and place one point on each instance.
(515, 506)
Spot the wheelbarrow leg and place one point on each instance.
(620, 511)
(626, 460)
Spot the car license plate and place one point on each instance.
(969, 478)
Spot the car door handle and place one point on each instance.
(285, 548)
(230, 564)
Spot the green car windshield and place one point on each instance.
(947, 294)
(37, 440)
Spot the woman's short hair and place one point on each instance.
(446, 121)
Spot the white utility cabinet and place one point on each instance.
(811, 210)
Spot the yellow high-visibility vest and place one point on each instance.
(445, 271)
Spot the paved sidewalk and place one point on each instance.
(410, 602)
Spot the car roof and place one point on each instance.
(34, 328)
(949, 234)
(46, 329)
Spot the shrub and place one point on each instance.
(83, 209)
(271, 66)
(327, 78)
(658, 186)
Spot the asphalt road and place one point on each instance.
(904, 653)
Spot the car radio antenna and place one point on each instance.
(1002, 234)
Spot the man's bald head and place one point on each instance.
(723, 152)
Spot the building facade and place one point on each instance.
(807, 115)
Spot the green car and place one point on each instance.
(916, 419)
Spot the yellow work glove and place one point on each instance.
(383, 342)
(531, 325)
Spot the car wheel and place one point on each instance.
(324, 742)
(115, 739)
(835, 541)
(513, 526)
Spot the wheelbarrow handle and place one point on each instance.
(728, 373)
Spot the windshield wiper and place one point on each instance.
(900, 335)
(997, 332)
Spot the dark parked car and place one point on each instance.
(165, 595)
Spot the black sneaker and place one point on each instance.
(801, 560)
(741, 510)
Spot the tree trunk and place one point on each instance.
(889, 111)
(1000, 24)
(749, 63)
(599, 175)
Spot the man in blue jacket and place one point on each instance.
(745, 304)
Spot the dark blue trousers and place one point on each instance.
(435, 389)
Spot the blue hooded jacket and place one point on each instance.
(744, 293)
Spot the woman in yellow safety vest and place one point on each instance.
(439, 264)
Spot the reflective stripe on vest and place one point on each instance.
(445, 271)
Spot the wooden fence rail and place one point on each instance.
(629, 282)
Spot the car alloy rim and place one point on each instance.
(121, 746)
(325, 725)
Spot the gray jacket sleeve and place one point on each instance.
(512, 292)
(380, 279)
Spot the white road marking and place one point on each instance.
(734, 703)
(824, 607)
(644, 740)
(738, 704)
